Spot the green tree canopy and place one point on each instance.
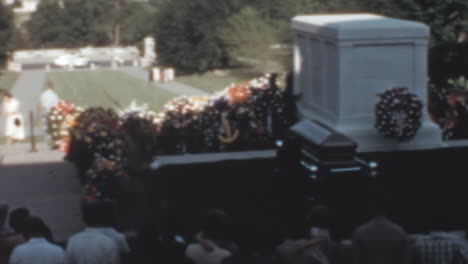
(256, 42)
(186, 33)
(7, 29)
(447, 19)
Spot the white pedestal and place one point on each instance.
(342, 63)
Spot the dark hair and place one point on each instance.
(35, 227)
(17, 218)
(7, 94)
(98, 213)
(214, 224)
(50, 85)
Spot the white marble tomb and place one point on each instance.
(341, 63)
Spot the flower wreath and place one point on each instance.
(398, 114)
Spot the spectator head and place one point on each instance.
(214, 224)
(35, 227)
(18, 217)
(98, 213)
(3, 214)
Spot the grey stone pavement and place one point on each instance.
(173, 86)
(44, 183)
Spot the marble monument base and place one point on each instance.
(370, 140)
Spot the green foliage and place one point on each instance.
(138, 23)
(76, 23)
(255, 42)
(47, 26)
(447, 19)
(82, 22)
(6, 31)
(186, 33)
(87, 22)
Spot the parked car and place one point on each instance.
(68, 60)
(80, 62)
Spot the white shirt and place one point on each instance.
(11, 106)
(118, 238)
(48, 100)
(92, 246)
(200, 255)
(38, 251)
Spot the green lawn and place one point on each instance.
(215, 80)
(7, 79)
(102, 88)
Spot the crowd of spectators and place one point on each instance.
(25, 238)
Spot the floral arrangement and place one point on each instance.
(98, 148)
(140, 126)
(104, 144)
(59, 121)
(103, 179)
(398, 114)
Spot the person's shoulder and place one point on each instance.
(53, 248)
(79, 236)
(89, 238)
(22, 247)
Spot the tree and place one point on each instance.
(47, 26)
(6, 31)
(256, 42)
(448, 20)
(71, 24)
(88, 22)
(186, 33)
(137, 22)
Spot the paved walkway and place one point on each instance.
(44, 183)
(173, 86)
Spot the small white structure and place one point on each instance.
(149, 56)
(156, 75)
(169, 74)
(341, 63)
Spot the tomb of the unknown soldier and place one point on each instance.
(351, 137)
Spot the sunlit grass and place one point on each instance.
(107, 88)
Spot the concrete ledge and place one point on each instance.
(161, 161)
